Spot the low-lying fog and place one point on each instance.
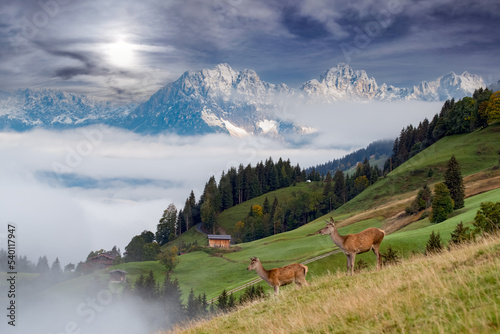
(74, 191)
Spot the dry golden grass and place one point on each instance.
(481, 182)
(457, 291)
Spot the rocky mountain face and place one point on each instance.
(53, 109)
(219, 100)
(342, 83)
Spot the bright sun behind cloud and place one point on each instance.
(120, 53)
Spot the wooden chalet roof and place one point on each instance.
(118, 271)
(219, 237)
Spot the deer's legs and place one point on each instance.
(353, 256)
(376, 251)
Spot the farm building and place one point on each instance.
(221, 241)
(117, 275)
(102, 260)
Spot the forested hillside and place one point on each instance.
(467, 115)
(377, 149)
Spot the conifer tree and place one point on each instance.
(266, 207)
(339, 188)
(461, 234)
(434, 244)
(170, 297)
(442, 204)
(149, 287)
(231, 302)
(56, 267)
(192, 305)
(454, 182)
(166, 228)
(42, 266)
(328, 185)
(222, 301)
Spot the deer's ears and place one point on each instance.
(253, 258)
(329, 221)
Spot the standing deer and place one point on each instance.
(352, 244)
(277, 277)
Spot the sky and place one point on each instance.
(125, 50)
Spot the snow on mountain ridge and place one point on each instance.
(220, 100)
(26, 108)
(217, 100)
(342, 83)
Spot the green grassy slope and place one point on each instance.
(475, 152)
(453, 292)
(231, 216)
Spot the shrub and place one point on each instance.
(488, 217)
(461, 235)
(434, 244)
(360, 265)
(421, 202)
(390, 257)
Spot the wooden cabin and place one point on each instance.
(102, 260)
(219, 241)
(117, 275)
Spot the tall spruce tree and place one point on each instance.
(442, 204)
(339, 188)
(166, 227)
(455, 183)
(42, 266)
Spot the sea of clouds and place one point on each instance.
(71, 192)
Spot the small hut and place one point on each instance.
(102, 260)
(117, 275)
(220, 241)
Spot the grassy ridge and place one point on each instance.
(475, 152)
(454, 292)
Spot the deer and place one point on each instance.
(277, 277)
(352, 244)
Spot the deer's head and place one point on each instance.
(329, 228)
(253, 263)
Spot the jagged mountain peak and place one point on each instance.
(212, 100)
(341, 83)
(450, 85)
(341, 70)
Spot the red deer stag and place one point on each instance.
(352, 244)
(277, 277)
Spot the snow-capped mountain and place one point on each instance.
(217, 100)
(48, 108)
(342, 83)
(446, 87)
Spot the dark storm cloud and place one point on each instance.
(88, 67)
